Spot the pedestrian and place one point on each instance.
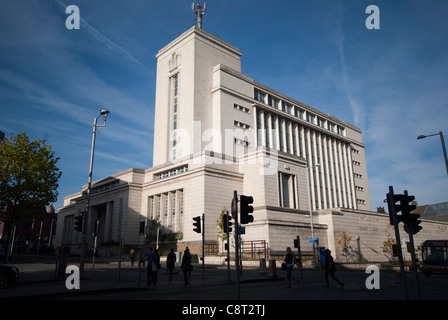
(330, 269)
(132, 256)
(170, 262)
(186, 264)
(289, 265)
(151, 266)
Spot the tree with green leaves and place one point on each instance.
(28, 180)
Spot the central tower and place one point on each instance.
(184, 99)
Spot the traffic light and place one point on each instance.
(142, 228)
(392, 200)
(197, 224)
(412, 225)
(246, 209)
(78, 223)
(227, 224)
(407, 208)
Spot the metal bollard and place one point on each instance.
(262, 266)
(272, 269)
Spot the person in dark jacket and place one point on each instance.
(170, 261)
(186, 264)
(289, 265)
(330, 269)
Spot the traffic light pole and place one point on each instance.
(203, 246)
(228, 246)
(397, 238)
(414, 265)
(237, 263)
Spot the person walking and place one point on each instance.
(132, 252)
(289, 265)
(170, 262)
(330, 269)
(186, 264)
(151, 266)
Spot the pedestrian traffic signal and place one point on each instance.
(78, 223)
(197, 224)
(246, 209)
(142, 228)
(412, 225)
(227, 224)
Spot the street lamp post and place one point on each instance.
(311, 210)
(443, 146)
(86, 214)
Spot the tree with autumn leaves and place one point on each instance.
(28, 180)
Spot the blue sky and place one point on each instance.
(392, 82)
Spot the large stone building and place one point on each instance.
(218, 131)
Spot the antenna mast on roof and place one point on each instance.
(199, 10)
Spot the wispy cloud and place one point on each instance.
(339, 39)
(109, 43)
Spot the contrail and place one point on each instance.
(102, 38)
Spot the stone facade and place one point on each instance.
(218, 131)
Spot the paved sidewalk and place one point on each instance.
(38, 281)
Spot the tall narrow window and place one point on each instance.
(174, 97)
(274, 132)
(266, 128)
(280, 132)
(159, 204)
(166, 210)
(259, 131)
(181, 210)
(173, 211)
(151, 208)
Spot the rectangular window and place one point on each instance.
(274, 132)
(266, 129)
(259, 131)
(280, 127)
(175, 97)
(273, 102)
(151, 208)
(159, 205)
(181, 210)
(309, 117)
(286, 107)
(298, 113)
(173, 211)
(166, 210)
(287, 192)
(259, 96)
(288, 144)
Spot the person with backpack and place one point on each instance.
(151, 266)
(330, 269)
